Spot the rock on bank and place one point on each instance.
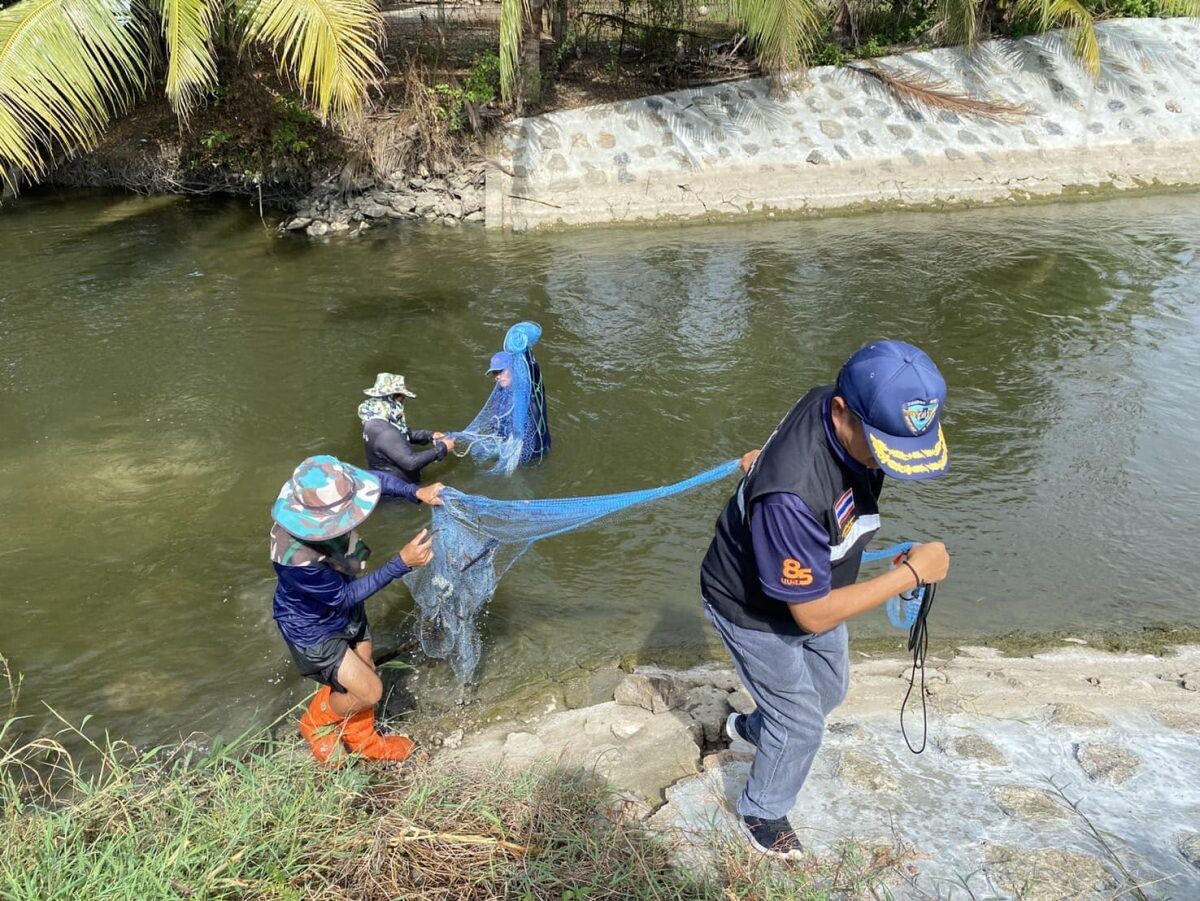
(843, 140)
(449, 196)
(1029, 760)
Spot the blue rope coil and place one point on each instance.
(902, 610)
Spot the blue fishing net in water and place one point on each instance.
(513, 427)
(475, 541)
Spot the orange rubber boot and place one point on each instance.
(322, 728)
(361, 738)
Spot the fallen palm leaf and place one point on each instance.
(921, 91)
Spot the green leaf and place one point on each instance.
(66, 66)
(187, 28)
(1073, 16)
(960, 19)
(782, 32)
(514, 18)
(331, 47)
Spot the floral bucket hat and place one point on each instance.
(387, 384)
(325, 498)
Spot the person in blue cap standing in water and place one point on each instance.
(518, 346)
(779, 579)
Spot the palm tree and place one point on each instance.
(68, 66)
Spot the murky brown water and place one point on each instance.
(165, 363)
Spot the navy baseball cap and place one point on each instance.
(898, 393)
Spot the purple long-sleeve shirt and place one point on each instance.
(316, 601)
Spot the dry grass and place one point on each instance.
(415, 132)
(257, 817)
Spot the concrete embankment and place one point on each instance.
(1069, 773)
(843, 140)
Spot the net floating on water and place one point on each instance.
(477, 539)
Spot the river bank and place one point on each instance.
(1068, 773)
(1061, 774)
(1016, 120)
(1011, 121)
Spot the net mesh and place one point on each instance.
(476, 539)
(513, 426)
(902, 610)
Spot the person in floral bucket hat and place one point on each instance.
(388, 443)
(320, 561)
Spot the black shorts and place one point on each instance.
(320, 662)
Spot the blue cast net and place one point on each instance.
(513, 427)
(476, 539)
(902, 610)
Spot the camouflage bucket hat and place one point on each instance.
(387, 384)
(325, 498)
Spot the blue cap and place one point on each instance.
(898, 393)
(501, 360)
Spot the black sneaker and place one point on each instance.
(773, 837)
(735, 728)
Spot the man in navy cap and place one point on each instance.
(779, 578)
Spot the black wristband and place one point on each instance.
(914, 572)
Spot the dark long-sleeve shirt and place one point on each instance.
(316, 601)
(388, 449)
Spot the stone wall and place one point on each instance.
(448, 196)
(843, 140)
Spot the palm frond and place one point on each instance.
(1181, 8)
(514, 17)
(781, 31)
(187, 28)
(960, 21)
(1072, 15)
(331, 47)
(918, 90)
(65, 67)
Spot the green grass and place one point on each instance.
(258, 818)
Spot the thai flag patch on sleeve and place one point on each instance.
(843, 509)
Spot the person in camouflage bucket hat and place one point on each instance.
(388, 443)
(388, 384)
(320, 561)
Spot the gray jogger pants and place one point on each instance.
(795, 680)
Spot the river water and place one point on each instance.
(165, 363)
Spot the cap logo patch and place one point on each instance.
(919, 415)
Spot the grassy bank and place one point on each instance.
(258, 818)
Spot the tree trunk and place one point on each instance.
(558, 21)
(531, 58)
